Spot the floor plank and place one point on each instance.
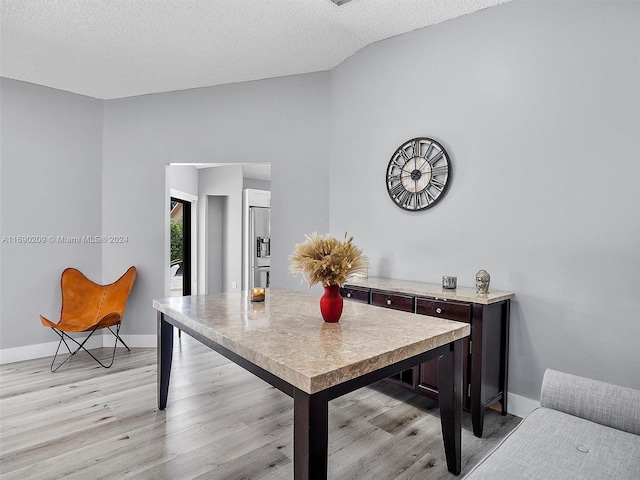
(222, 423)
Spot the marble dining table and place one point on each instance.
(285, 342)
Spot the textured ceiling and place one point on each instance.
(119, 48)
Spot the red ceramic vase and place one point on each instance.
(331, 303)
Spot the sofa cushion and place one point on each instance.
(549, 444)
(604, 403)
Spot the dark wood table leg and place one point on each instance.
(504, 360)
(477, 368)
(450, 387)
(165, 355)
(310, 435)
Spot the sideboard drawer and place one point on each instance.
(392, 300)
(444, 309)
(355, 293)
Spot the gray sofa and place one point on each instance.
(584, 429)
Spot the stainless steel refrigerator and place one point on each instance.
(259, 246)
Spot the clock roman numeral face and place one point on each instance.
(418, 174)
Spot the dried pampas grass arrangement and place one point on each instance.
(327, 260)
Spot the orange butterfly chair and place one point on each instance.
(87, 307)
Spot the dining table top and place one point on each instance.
(286, 335)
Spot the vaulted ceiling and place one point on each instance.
(118, 48)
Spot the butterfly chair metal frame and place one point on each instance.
(88, 307)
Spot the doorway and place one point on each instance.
(180, 247)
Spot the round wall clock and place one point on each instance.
(418, 174)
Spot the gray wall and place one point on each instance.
(51, 149)
(214, 244)
(538, 105)
(283, 121)
(220, 242)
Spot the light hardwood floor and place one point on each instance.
(86, 422)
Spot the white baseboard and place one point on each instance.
(521, 406)
(147, 341)
(30, 352)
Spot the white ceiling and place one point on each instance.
(119, 48)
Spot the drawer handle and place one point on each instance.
(438, 310)
(388, 301)
(348, 295)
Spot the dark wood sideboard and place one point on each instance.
(485, 367)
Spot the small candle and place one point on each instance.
(257, 294)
